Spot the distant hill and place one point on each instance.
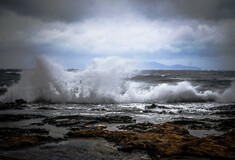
(156, 65)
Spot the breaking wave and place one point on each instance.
(105, 81)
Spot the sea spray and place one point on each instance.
(106, 80)
(180, 92)
(228, 95)
(101, 82)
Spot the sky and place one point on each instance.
(74, 32)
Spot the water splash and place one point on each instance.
(105, 81)
(100, 82)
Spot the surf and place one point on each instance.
(106, 80)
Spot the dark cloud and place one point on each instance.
(75, 10)
(226, 9)
(197, 9)
(52, 10)
(207, 9)
(15, 32)
(21, 19)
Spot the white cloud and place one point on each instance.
(128, 35)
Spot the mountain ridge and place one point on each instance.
(160, 66)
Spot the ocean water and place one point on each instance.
(114, 86)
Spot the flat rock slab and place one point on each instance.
(18, 104)
(18, 117)
(163, 139)
(224, 124)
(15, 138)
(8, 158)
(78, 120)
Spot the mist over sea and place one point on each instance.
(103, 83)
(119, 88)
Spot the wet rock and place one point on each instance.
(215, 146)
(148, 111)
(200, 126)
(98, 109)
(78, 120)
(18, 117)
(206, 124)
(163, 139)
(25, 141)
(10, 132)
(20, 101)
(153, 106)
(116, 119)
(47, 108)
(14, 138)
(158, 112)
(224, 107)
(193, 124)
(225, 124)
(225, 113)
(224, 110)
(37, 124)
(18, 104)
(8, 158)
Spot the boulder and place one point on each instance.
(153, 106)
(20, 101)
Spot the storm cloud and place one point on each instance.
(184, 31)
(75, 10)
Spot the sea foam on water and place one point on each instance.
(106, 80)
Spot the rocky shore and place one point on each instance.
(159, 141)
(163, 140)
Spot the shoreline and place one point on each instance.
(111, 136)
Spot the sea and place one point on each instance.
(113, 86)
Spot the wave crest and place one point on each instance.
(105, 81)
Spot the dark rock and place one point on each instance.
(20, 101)
(98, 109)
(214, 146)
(165, 140)
(202, 126)
(153, 106)
(224, 107)
(37, 124)
(24, 141)
(224, 110)
(162, 112)
(193, 124)
(78, 120)
(225, 124)
(225, 113)
(10, 132)
(14, 138)
(206, 124)
(47, 108)
(116, 119)
(8, 158)
(187, 121)
(18, 117)
(18, 104)
(148, 111)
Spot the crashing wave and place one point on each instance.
(105, 81)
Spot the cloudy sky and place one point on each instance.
(73, 32)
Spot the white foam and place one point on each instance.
(105, 81)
